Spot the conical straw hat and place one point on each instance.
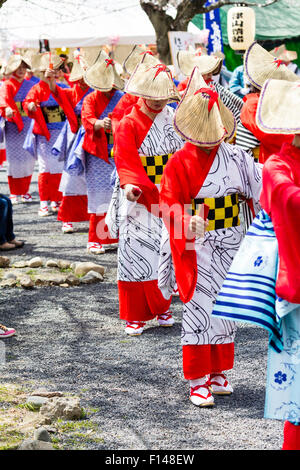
(187, 60)
(136, 56)
(201, 118)
(278, 107)
(282, 53)
(102, 75)
(14, 62)
(41, 61)
(153, 82)
(259, 65)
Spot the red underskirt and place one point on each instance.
(199, 360)
(2, 156)
(98, 231)
(73, 209)
(19, 186)
(291, 436)
(141, 301)
(48, 185)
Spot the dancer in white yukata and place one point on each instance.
(145, 141)
(206, 171)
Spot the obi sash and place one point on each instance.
(154, 166)
(53, 114)
(223, 211)
(109, 109)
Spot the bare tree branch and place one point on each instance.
(1, 2)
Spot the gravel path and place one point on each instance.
(72, 340)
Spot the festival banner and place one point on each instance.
(213, 24)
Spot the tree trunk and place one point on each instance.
(186, 10)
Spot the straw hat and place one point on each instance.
(153, 82)
(188, 60)
(136, 56)
(14, 62)
(259, 65)
(282, 53)
(41, 61)
(201, 117)
(278, 107)
(102, 75)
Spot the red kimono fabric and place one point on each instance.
(269, 143)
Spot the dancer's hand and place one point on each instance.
(132, 193)
(197, 226)
(9, 112)
(32, 107)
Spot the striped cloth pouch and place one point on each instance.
(248, 292)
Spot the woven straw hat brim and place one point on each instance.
(284, 54)
(102, 76)
(278, 107)
(14, 63)
(40, 62)
(260, 65)
(187, 61)
(145, 84)
(77, 72)
(136, 57)
(195, 124)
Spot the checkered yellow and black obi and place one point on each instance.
(154, 166)
(20, 108)
(53, 114)
(223, 211)
(255, 152)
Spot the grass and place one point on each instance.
(14, 412)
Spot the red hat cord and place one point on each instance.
(213, 97)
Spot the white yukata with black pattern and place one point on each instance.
(233, 171)
(139, 231)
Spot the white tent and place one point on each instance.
(74, 23)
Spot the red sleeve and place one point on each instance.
(124, 106)
(38, 93)
(63, 97)
(174, 196)
(128, 139)
(7, 93)
(182, 85)
(94, 142)
(270, 143)
(281, 200)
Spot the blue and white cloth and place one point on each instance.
(248, 294)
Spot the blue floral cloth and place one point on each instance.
(248, 294)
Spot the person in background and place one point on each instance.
(94, 151)
(237, 83)
(205, 171)
(6, 332)
(73, 207)
(144, 141)
(287, 57)
(49, 108)
(268, 260)
(7, 238)
(259, 65)
(15, 125)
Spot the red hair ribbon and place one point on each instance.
(213, 97)
(278, 62)
(146, 52)
(161, 68)
(109, 62)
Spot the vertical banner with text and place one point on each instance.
(213, 24)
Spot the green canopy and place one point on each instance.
(275, 24)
